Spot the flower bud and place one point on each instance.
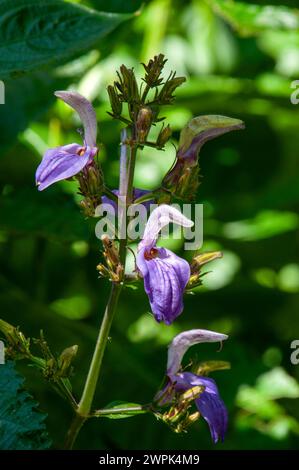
(116, 104)
(153, 70)
(65, 360)
(172, 83)
(163, 136)
(143, 123)
(196, 264)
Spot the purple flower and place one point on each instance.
(66, 161)
(209, 402)
(165, 274)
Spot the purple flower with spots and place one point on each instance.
(165, 274)
(63, 162)
(209, 403)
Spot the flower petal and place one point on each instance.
(86, 112)
(202, 129)
(159, 218)
(182, 342)
(209, 403)
(165, 278)
(61, 163)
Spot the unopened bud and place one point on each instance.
(115, 102)
(153, 70)
(163, 136)
(65, 360)
(203, 258)
(143, 123)
(210, 366)
(166, 94)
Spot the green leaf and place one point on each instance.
(249, 19)
(117, 6)
(120, 410)
(36, 33)
(22, 426)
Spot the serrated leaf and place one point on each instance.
(249, 19)
(22, 426)
(35, 33)
(127, 413)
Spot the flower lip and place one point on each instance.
(62, 163)
(183, 341)
(162, 216)
(86, 113)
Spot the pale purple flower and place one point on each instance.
(165, 274)
(209, 402)
(63, 162)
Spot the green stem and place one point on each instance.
(95, 366)
(84, 407)
(73, 431)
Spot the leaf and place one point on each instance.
(117, 405)
(117, 6)
(51, 215)
(249, 19)
(22, 426)
(36, 33)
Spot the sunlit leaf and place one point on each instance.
(35, 34)
(249, 18)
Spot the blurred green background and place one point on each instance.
(240, 61)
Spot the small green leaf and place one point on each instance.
(36, 33)
(249, 19)
(120, 409)
(22, 426)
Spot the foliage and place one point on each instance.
(22, 426)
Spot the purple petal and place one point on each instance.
(61, 163)
(86, 112)
(182, 342)
(162, 216)
(165, 278)
(209, 403)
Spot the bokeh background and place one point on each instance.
(240, 61)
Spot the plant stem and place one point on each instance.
(95, 366)
(73, 431)
(126, 192)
